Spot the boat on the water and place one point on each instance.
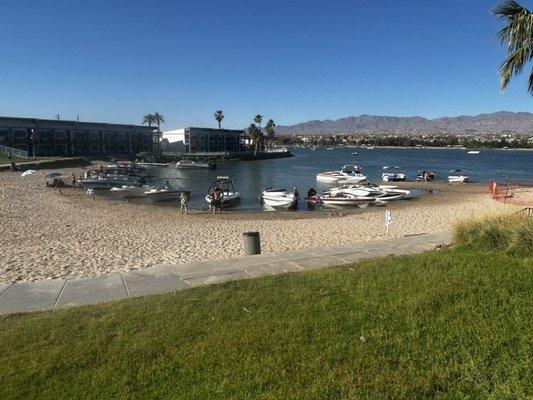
(195, 165)
(348, 173)
(458, 176)
(229, 196)
(108, 181)
(473, 152)
(278, 198)
(330, 148)
(425, 176)
(151, 165)
(392, 174)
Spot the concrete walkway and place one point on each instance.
(58, 293)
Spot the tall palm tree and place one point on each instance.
(269, 128)
(254, 132)
(148, 119)
(517, 35)
(219, 116)
(159, 119)
(258, 119)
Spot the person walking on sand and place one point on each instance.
(73, 177)
(216, 201)
(184, 202)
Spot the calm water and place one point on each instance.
(299, 171)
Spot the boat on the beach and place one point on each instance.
(278, 198)
(129, 191)
(425, 176)
(458, 176)
(348, 173)
(230, 197)
(165, 194)
(392, 174)
(195, 165)
(344, 200)
(108, 181)
(380, 193)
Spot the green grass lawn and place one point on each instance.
(449, 324)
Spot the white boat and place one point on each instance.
(344, 200)
(330, 148)
(195, 165)
(129, 191)
(278, 198)
(473, 152)
(379, 193)
(108, 181)
(458, 176)
(348, 173)
(230, 197)
(164, 194)
(392, 174)
(151, 164)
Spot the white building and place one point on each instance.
(202, 140)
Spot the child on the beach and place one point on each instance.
(184, 200)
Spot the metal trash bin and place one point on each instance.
(252, 243)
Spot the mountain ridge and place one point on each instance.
(484, 123)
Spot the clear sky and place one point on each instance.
(292, 61)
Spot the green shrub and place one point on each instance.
(512, 233)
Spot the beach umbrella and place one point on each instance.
(53, 175)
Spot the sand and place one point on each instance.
(48, 235)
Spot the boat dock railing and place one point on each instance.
(13, 151)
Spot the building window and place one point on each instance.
(60, 135)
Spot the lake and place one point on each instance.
(299, 171)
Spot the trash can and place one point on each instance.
(252, 243)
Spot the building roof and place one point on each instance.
(73, 122)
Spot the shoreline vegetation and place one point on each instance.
(450, 323)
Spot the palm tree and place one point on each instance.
(517, 35)
(219, 116)
(269, 128)
(159, 119)
(148, 119)
(258, 119)
(254, 132)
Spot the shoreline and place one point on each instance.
(50, 235)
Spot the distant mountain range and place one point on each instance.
(498, 122)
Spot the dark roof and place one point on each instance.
(73, 122)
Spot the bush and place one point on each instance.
(511, 233)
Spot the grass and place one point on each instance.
(449, 324)
(510, 233)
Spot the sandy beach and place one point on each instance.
(46, 234)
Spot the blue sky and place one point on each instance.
(292, 61)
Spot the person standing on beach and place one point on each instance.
(184, 201)
(73, 177)
(217, 200)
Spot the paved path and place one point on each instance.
(58, 293)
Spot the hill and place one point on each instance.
(498, 122)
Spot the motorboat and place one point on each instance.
(458, 176)
(330, 148)
(129, 191)
(165, 194)
(392, 174)
(425, 176)
(108, 181)
(278, 198)
(195, 165)
(344, 200)
(229, 196)
(377, 192)
(151, 165)
(348, 173)
(473, 152)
